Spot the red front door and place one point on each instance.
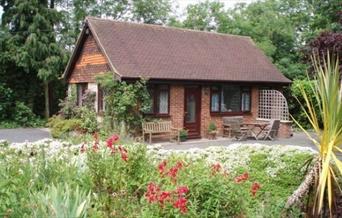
(192, 111)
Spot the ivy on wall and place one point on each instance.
(125, 102)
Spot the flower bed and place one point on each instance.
(107, 179)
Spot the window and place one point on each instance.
(230, 99)
(81, 88)
(100, 100)
(160, 99)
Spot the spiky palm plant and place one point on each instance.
(323, 176)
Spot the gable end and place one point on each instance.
(89, 62)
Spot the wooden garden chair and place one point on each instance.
(239, 132)
(271, 131)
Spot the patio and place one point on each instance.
(298, 139)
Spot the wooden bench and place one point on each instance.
(158, 128)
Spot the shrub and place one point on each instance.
(24, 116)
(21, 116)
(88, 99)
(88, 119)
(183, 134)
(212, 127)
(60, 127)
(69, 107)
(296, 96)
(119, 176)
(6, 102)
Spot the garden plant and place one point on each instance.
(323, 178)
(116, 179)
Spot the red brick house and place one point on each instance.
(195, 77)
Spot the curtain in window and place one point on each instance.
(163, 105)
(215, 102)
(245, 101)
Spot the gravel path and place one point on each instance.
(24, 134)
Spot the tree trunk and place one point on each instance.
(47, 103)
(304, 187)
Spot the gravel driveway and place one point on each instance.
(24, 134)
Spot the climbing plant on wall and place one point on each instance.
(125, 102)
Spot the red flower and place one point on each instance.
(164, 196)
(181, 205)
(152, 192)
(182, 190)
(241, 178)
(111, 140)
(254, 188)
(174, 170)
(215, 168)
(123, 153)
(179, 165)
(173, 173)
(162, 166)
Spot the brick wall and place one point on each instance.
(285, 129)
(89, 63)
(177, 105)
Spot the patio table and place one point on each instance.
(255, 128)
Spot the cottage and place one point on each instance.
(195, 77)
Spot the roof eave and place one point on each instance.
(288, 82)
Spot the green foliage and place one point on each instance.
(60, 126)
(212, 127)
(60, 202)
(14, 114)
(183, 134)
(207, 15)
(327, 92)
(119, 184)
(296, 96)
(21, 116)
(41, 181)
(125, 102)
(6, 102)
(31, 52)
(88, 99)
(151, 11)
(88, 119)
(68, 106)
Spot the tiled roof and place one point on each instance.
(157, 52)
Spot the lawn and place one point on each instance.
(52, 178)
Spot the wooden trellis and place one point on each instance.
(273, 105)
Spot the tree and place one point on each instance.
(206, 15)
(326, 42)
(33, 41)
(151, 11)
